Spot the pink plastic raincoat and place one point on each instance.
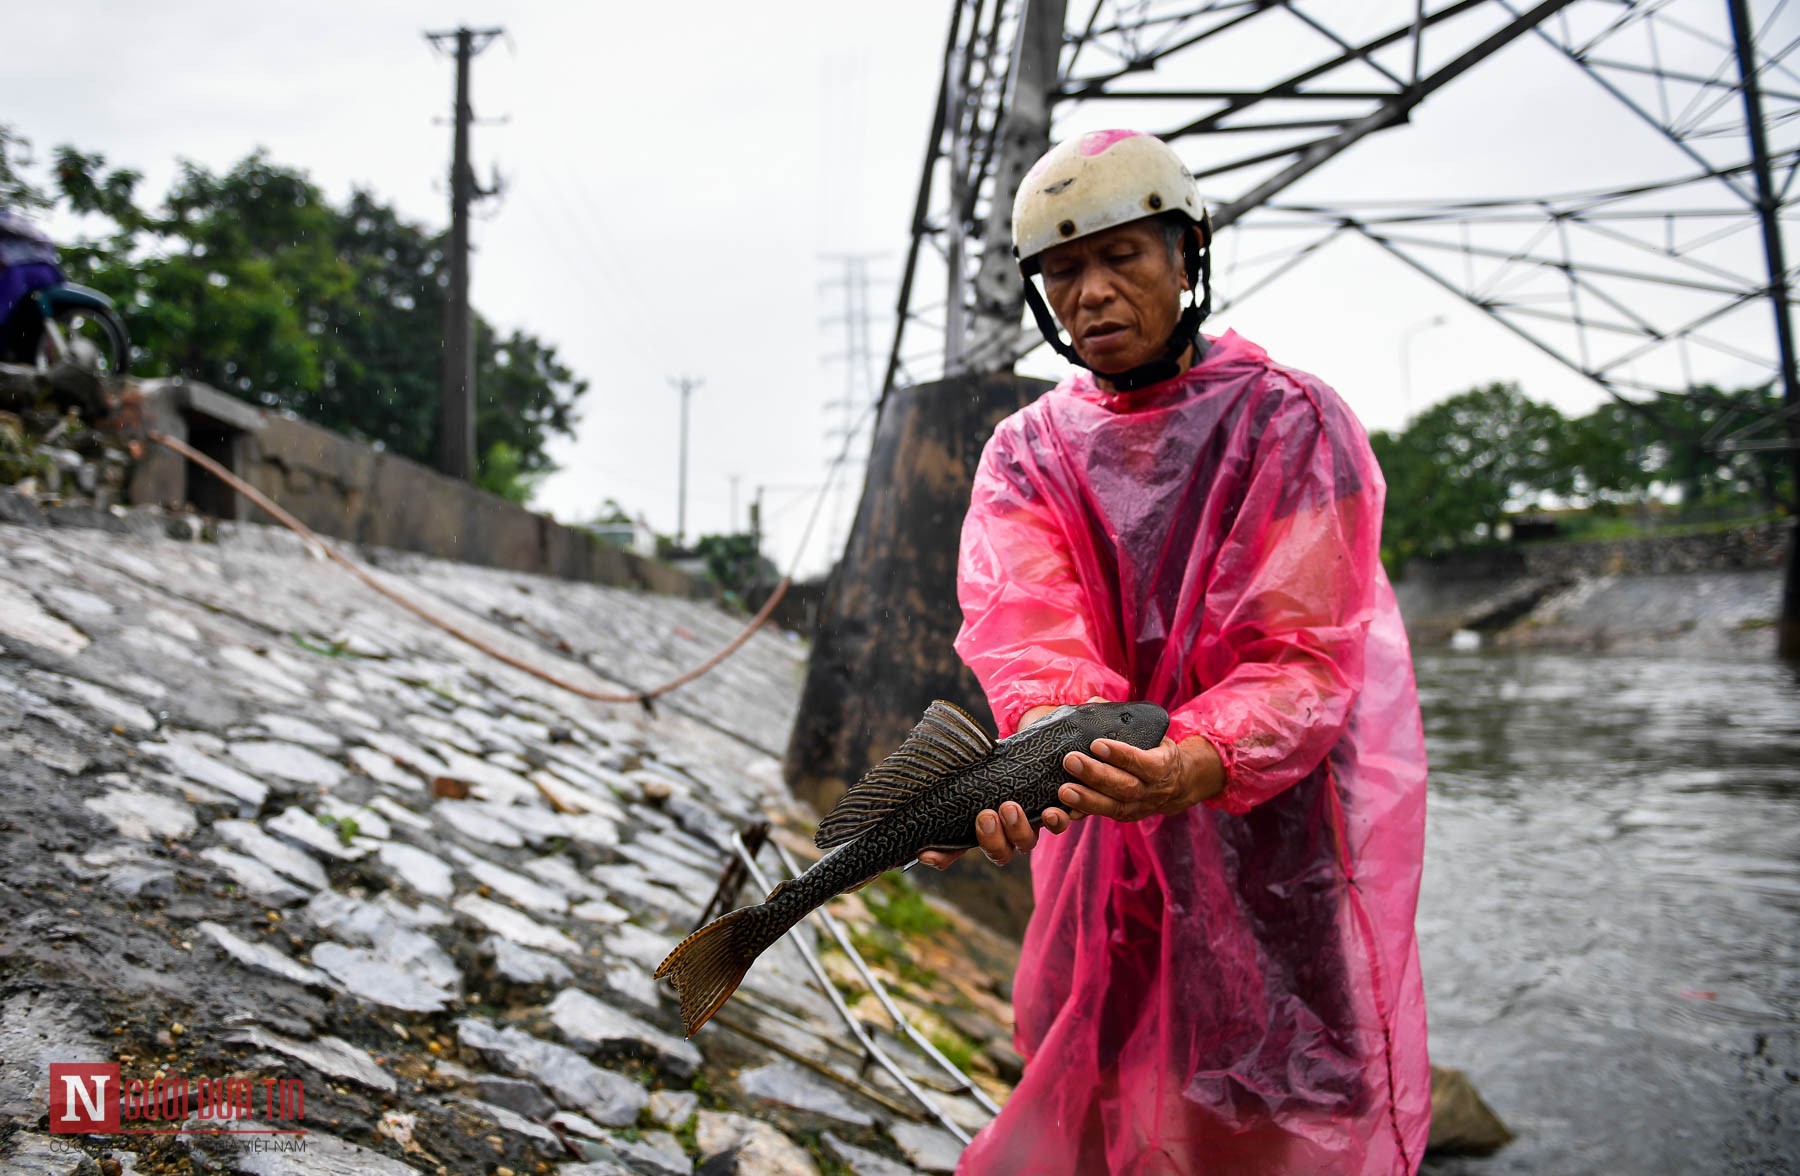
(1233, 989)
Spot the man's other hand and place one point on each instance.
(1128, 783)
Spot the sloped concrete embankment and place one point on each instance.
(1712, 591)
(259, 822)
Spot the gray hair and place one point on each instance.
(1175, 228)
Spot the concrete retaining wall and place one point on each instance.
(1494, 590)
(350, 490)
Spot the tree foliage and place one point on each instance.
(254, 282)
(1458, 470)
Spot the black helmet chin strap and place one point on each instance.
(1198, 262)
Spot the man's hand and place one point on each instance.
(1127, 783)
(1116, 780)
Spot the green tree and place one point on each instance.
(1462, 464)
(732, 561)
(252, 281)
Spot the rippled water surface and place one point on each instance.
(1610, 919)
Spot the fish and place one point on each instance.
(924, 796)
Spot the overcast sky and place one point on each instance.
(676, 176)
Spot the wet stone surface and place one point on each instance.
(259, 822)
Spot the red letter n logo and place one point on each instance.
(84, 1097)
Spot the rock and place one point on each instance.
(598, 910)
(31, 1154)
(576, 1124)
(260, 881)
(591, 829)
(390, 931)
(1461, 1123)
(121, 710)
(556, 871)
(195, 765)
(632, 983)
(383, 767)
(655, 1153)
(533, 896)
(399, 1127)
(645, 948)
(1007, 1062)
(290, 761)
(141, 880)
(595, 1168)
(608, 1098)
(292, 730)
(143, 816)
(35, 1030)
(931, 1149)
(786, 1083)
(277, 855)
(474, 819)
(402, 752)
(263, 957)
(514, 1122)
(21, 617)
(632, 887)
(366, 820)
(863, 1162)
(510, 924)
(600, 1027)
(324, 1155)
(752, 1148)
(515, 1094)
(400, 814)
(426, 873)
(521, 965)
(669, 871)
(672, 1108)
(261, 674)
(489, 782)
(332, 1056)
(296, 824)
(365, 973)
(535, 822)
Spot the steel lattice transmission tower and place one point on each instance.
(1654, 285)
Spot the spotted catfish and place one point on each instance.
(924, 796)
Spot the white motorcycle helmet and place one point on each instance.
(1097, 181)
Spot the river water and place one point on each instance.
(1610, 915)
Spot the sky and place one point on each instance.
(680, 181)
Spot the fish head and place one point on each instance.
(1141, 724)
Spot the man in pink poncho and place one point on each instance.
(1220, 974)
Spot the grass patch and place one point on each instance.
(897, 903)
(346, 828)
(337, 649)
(954, 1046)
(881, 948)
(685, 1135)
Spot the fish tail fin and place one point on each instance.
(707, 966)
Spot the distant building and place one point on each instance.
(633, 535)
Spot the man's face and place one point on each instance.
(1117, 293)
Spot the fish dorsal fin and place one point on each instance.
(945, 741)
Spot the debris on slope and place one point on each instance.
(259, 824)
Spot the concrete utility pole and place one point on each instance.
(685, 385)
(456, 443)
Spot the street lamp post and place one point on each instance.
(1406, 363)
